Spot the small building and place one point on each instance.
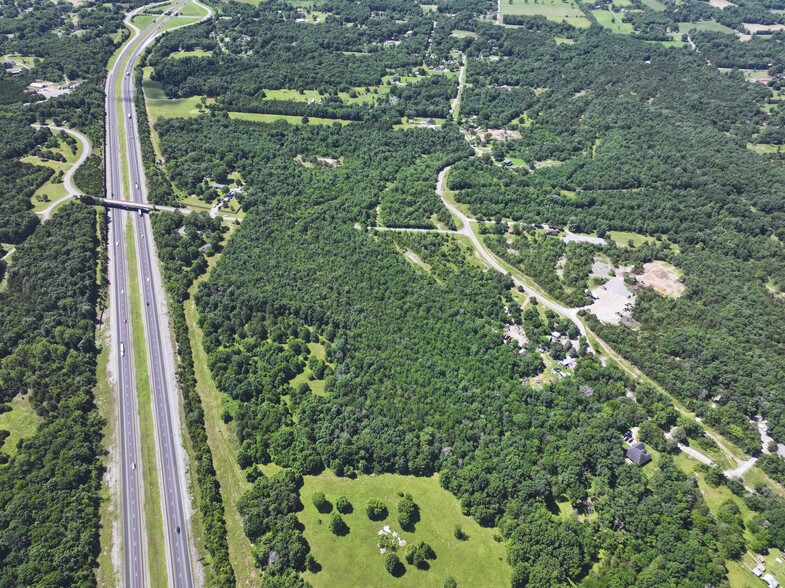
(758, 571)
(771, 581)
(637, 454)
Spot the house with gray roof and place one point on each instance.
(637, 454)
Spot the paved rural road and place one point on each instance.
(171, 456)
(490, 259)
(571, 313)
(68, 177)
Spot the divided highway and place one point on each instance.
(160, 350)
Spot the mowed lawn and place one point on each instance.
(555, 10)
(54, 190)
(354, 559)
(295, 120)
(194, 53)
(21, 421)
(613, 22)
(161, 106)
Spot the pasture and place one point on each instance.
(555, 10)
(354, 559)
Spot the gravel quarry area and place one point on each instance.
(613, 300)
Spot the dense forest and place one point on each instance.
(19, 181)
(667, 161)
(439, 392)
(349, 52)
(608, 133)
(49, 490)
(614, 134)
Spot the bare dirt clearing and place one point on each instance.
(577, 238)
(757, 28)
(663, 277)
(501, 134)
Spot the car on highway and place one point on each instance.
(122, 349)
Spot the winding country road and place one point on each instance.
(531, 288)
(465, 229)
(68, 177)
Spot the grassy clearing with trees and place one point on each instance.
(354, 559)
(555, 10)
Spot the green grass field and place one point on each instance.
(192, 9)
(613, 22)
(106, 574)
(159, 105)
(21, 421)
(622, 238)
(705, 25)
(655, 5)
(354, 560)
(194, 53)
(361, 95)
(555, 10)
(762, 147)
(316, 386)
(54, 190)
(23, 60)
(223, 445)
(294, 120)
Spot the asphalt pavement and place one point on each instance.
(171, 456)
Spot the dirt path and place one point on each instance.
(696, 454)
(455, 107)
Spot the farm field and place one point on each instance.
(354, 559)
(555, 10)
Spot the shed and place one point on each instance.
(637, 454)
